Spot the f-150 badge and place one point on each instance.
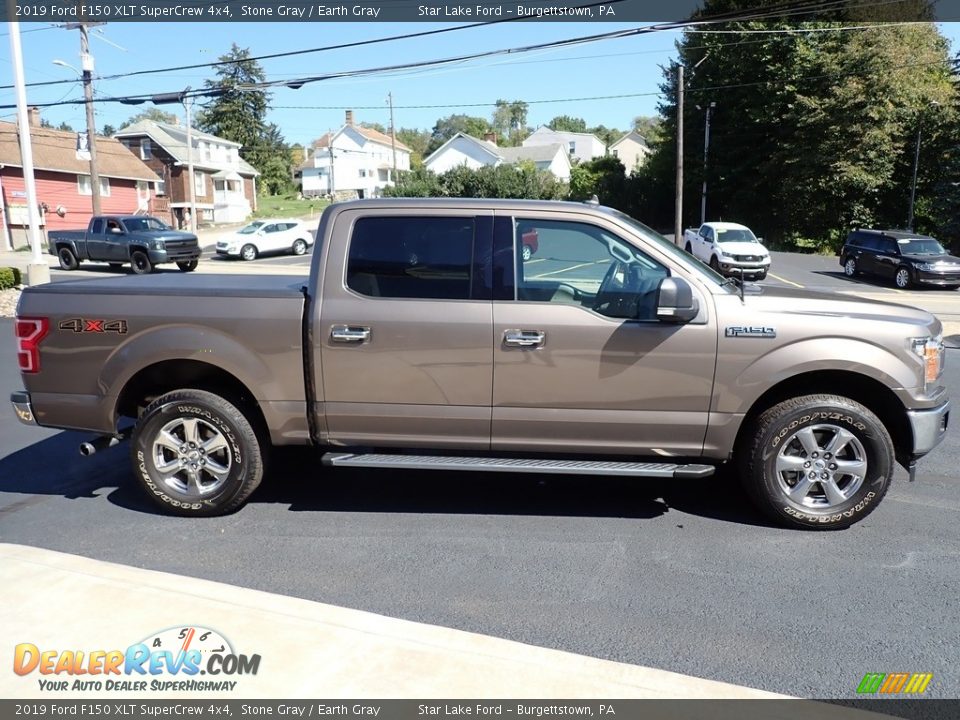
(750, 331)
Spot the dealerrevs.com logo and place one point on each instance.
(173, 660)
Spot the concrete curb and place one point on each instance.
(307, 649)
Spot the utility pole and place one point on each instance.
(86, 65)
(678, 203)
(916, 164)
(187, 105)
(393, 137)
(706, 150)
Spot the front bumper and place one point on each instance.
(923, 277)
(748, 269)
(22, 407)
(929, 428)
(174, 255)
(228, 250)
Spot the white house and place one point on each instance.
(632, 150)
(580, 146)
(353, 160)
(463, 149)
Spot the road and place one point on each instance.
(679, 576)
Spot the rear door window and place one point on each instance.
(412, 257)
(97, 227)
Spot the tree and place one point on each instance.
(510, 120)
(607, 135)
(647, 126)
(109, 130)
(153, 113)
(375, 126)
(64, 126)
(240, 115)
(565, 123)
(449, 126)
(418, 141)
(813, 132)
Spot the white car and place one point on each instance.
(267, 236)
(729, 248)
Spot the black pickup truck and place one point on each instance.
(142, 241)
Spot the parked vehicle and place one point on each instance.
(267, 236)
(529, 243)
(906, 258)
(140, 240)
(728, 248)
(629, 358)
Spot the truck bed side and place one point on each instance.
(114, 344)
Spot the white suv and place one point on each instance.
(267, 236)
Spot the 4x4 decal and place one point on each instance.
(90, 325)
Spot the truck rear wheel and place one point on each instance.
(140, 263)
(820, 462)
(197, 454)
(68, 261)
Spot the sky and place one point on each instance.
(572, 76)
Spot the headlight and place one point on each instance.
(926, 266)
(930, 351)
(158, 245)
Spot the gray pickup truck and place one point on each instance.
(140, 240)
(423, 338)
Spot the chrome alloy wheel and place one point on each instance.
(192, 456)
(821, 466)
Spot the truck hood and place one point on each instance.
(835, 306)
(743, 248)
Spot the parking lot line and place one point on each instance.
(789, 282)
(562, 270)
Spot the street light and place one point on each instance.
(86, 75)
(916, 163)
(706, 148)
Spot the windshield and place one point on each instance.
(921, 246)
(144, 223)
(735, 235)
(660, 241)
(250, 229)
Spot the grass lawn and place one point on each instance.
(285, 206)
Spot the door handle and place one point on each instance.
(524, 338)
(349, 334)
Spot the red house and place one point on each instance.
(127, 185)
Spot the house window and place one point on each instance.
(199, 186)
(363, 173)
(146, 149)
(614, 152)
(84, 187)
(218, 185)
(160, 187)
(572, 145)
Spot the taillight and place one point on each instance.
(30, 331)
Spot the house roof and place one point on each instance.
(56, 151)
(369, 133)
(633, 135)
(544, 128)
(173, 139)
(535, 153)
(485, 145)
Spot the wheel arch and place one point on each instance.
(867, 391)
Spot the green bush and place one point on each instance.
(9, 277)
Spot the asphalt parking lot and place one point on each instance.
(680, 576)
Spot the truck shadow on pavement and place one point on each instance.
(53, 467)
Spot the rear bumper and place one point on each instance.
(22, 407)
(929, 428)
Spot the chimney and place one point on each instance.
(490, 137)
(34, 114)
(350, 118)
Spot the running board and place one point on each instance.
(518, 465)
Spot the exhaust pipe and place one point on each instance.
(101, 443)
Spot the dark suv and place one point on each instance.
(904, 257)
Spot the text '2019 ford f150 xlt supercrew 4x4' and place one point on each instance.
(426, 338)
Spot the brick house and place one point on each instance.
(127, 185)
(225, 184)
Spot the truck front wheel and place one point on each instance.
(820, 462)
(140, 263)
(196, 454)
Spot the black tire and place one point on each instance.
(903, 278)
(850, 267)
(188, 265)
(68, 261)
(243, 455)
(299, 247)
(249, 252)
(774, 434)
(140, 263)
(761, 276)
(688, 249)
(714, 263)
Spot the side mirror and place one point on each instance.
(675, 301)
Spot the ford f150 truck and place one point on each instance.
(729, 248)
(142, 241)
(422, 339)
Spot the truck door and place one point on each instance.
(404, 329)
(116, 241)
(580, 360)
(95, 243)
